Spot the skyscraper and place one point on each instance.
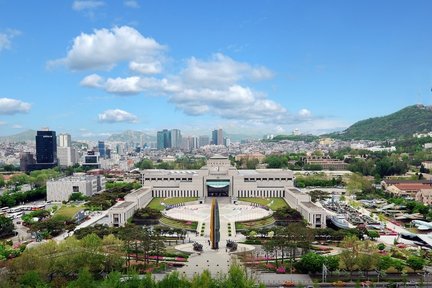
(217, 137)
(65, 140)
(101, 149)
(46, 147)
(163, 139)
(176, 138)
(66, 154)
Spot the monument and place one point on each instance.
(214, 225)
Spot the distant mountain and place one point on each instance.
(132, 136)
(405, 122)
(28, 135)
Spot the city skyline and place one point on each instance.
(95, 68)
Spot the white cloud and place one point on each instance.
(146, 68)
(13, 106)
(86, 5)
(235, 102)
(221, 70)
(106, 47)
(131, 4)
(116, 116)
(6, 38)
(304, 113)
(2, 123)
(17, 126)
(125, 86)
(93, 80)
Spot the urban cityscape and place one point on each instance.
(230, 144)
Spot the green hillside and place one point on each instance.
(405, 122)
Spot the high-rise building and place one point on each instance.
(65, 152)
(227, 142)
(163, 139)
(46, 147)
(101, 149)
(46, 152)
(203, 140)
(65, 140)
(217, 137)
(176, 138)
(194, 143)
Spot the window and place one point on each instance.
(75, 189)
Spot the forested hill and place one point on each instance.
(405, 122)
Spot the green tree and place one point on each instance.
(357, 184)
(252, 163)
(6, 226)
(145, 164)
(349, 256)
(85, 280)
(311, 263)
(415, 262)
(332, 262)
(77, 196)
(373, 234)
(2, 181)
(384, 263)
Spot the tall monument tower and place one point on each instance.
(214, 225)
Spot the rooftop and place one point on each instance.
(123, 204)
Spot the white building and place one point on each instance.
(66, 154)
(65, 140)
(61, 189)
(219, 179)
(122, 211)
(314, 215)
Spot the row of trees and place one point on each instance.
(237, 276)
(317, 180)
(180, 163)
(9, 199)
(36, 178)
(112, 193)
(363, 256)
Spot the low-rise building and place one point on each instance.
(61, 189)
(424, 196)
(122, 211)
(327, 163)
(314, 215)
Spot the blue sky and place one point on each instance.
(98, 67)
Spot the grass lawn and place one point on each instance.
(179, 224)
(68, 211)
(255, 224)
(272, 203)
(156, 202)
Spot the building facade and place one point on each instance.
(217, 137)
(176, 138)
(122, 211)
(219, 179)
(163, 139)
(61, 189)
(46, 147)
(65, 140)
